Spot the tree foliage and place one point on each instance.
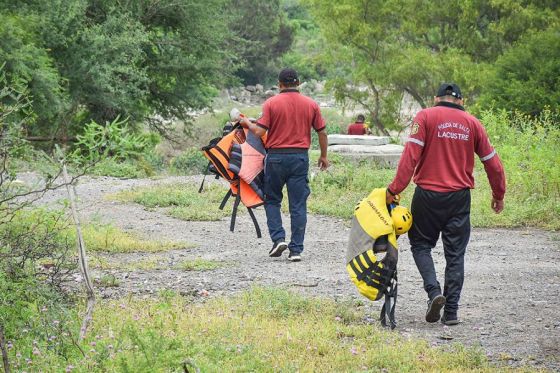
(527, 76)
(378, 50)
(96, 60)
(261, 34)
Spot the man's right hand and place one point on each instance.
(497, 205)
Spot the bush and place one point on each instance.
(36, 260)
(112, 140)
(528, 147)
(126, 170)
(190, 162)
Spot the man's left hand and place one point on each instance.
(323, 163)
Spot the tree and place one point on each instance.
(27, 64)
(377, 50)
(261, 35)
(143, 60)
(527, 76)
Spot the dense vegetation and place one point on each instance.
(116, 78)
(502, 53)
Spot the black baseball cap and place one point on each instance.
(449, 89)
(288, 76)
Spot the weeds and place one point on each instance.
(183, 200)
(108, 238)
(236, 334)
(199, 265)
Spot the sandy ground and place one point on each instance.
(510, 304)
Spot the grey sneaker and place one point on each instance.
(434, 308)
(277, 249)
(449, 319)
(293, 257)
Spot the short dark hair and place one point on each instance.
(360, 118)
(288, 77)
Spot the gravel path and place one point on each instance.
(510, 304)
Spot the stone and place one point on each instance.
(259, 87)
(337, 139)
(251, 88)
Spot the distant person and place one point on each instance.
(439, 156)
(358, 127)
(288, 118)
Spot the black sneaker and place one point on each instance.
(293, 257)
(449, 319)
(277, 249)
(434, 308)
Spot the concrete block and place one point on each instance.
(336, 139)
(385, 155)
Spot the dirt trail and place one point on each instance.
(510, 304)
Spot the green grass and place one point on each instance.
(199, 265)
(183, 200)
(130, 169)
(337, 191)
(237, 334)
(107, 281)
(153, 263)
(531, 157)
(108, 238)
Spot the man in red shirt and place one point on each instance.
(288, 118)
(358, 127)
(439, 156)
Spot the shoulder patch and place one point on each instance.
(414, 128)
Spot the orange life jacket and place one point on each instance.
(234, 157)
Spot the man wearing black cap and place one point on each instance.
(439, 156)
(287, 118)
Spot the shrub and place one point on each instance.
(190, 162)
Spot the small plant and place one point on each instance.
(183, 200)
(112, 140)
(199, 265)
(107, 281)
(108, 238)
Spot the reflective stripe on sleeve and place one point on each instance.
(489, 156)
(416, 141)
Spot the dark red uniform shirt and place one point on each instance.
(356, 129)
(440, 152)
(288, 117)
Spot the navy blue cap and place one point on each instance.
(449, 89)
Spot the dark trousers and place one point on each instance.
(448, 214)
(290, 169)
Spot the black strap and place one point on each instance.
(226, 197)
(255, 222)
(234, 212)
(204, 178)
(388, 309)
(367, 275)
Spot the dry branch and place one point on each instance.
(82, 257)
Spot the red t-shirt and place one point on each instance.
(288, 117)
(440, 152)
(356, 129)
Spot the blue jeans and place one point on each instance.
(290, 169)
